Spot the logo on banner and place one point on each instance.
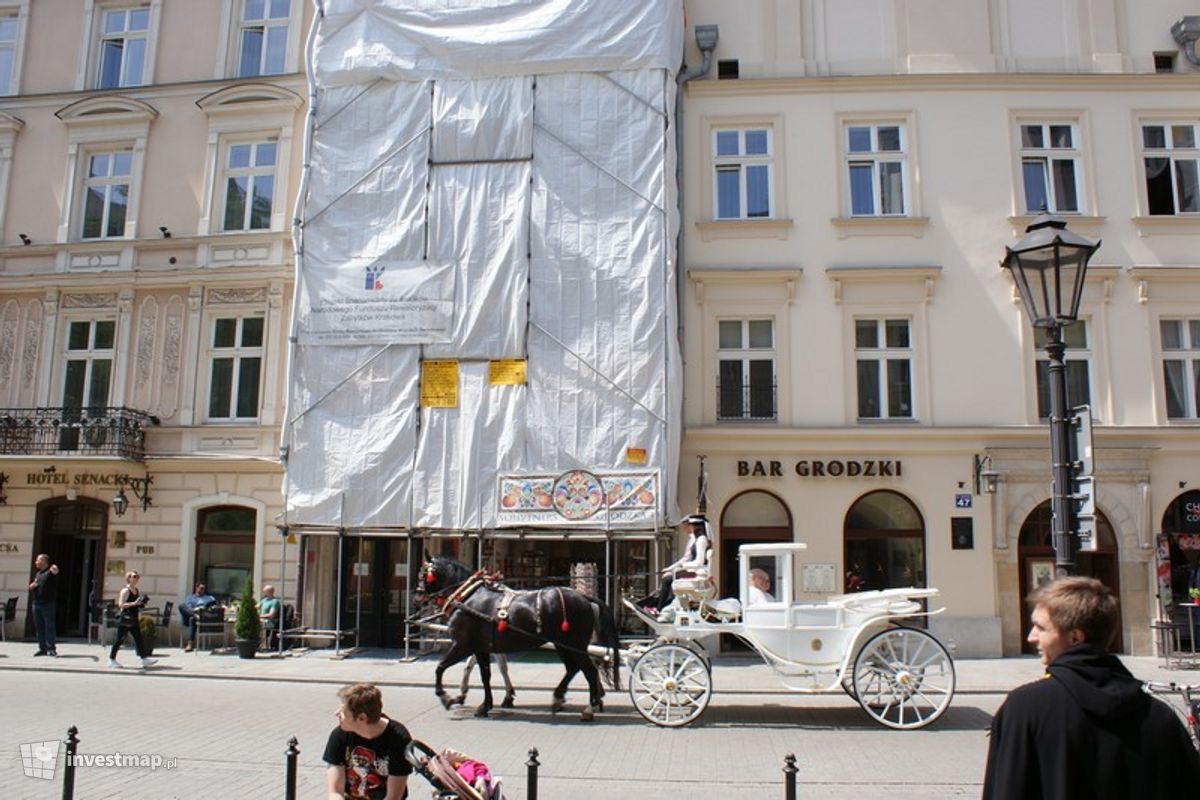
(371, 277)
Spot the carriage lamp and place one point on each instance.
(141, 490)
(1049, 264)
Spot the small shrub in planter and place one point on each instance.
(247, 627)
(149, 633)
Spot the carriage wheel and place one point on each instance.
(670, 685)
(903, 678)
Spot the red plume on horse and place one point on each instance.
(484, 616)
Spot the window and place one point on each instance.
(106, 194)
(225, 549)
(746, 364)
(87, 376)
(876, 169)
(883, 351)
(1078, 361)
(262, 37)
(742, 179)
(249, 185)
(1170, 155)
(1050, 168)
(1181, 366)
(10, 28)
(233, 387)
(123, 36)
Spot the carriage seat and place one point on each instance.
(694, 586)
(726, 609)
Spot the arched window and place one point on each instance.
(884, 543)
(225, 548)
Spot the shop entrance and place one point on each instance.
(1181, 527)
(73, 534)
(1035, 553)
(751, 517)
(375, 596)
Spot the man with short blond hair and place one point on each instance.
(365, 752)
(1086, 730)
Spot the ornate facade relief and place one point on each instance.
(147, 332)
(168, 398)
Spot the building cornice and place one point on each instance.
(145, 278)
(980, 81)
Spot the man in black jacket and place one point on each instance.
(1086, 730)
(44, 588)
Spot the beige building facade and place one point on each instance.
(149, 159)
(860, 374)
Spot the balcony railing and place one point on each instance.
(741, 402)
(116, 432)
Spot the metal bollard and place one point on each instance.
(789, 776)
(293, 752)
(531, 775)
(68, 792)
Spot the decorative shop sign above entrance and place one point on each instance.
(831, 468)
(576, 499)
(113, 479)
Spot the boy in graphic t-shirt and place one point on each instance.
(365, 753)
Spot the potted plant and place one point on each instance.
(247, 627)
(149, 633)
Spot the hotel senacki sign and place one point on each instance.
(823, 468)
(113, 479)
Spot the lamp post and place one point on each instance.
(1049, 264)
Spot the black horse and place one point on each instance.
(486, 617)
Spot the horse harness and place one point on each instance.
(493, 581)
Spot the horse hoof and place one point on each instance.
(481, 712)
(508, 703)
(447, 703)
(600, 706)
(458, 701)
(587, 715)
(558, 705)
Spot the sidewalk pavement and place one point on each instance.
(732, 674)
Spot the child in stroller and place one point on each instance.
(454, 775)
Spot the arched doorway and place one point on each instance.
(1181, 527)
(1035, 553)
(884, 543)
(73, 533)
(224, 555)
(752, 516)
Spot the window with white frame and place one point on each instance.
(106, 193)
(236, 353)
(263, 37)
(742, 167)
(746, 369)
(87, 375)
(10, 30)
(249, 182)
(877, 169)
(1050, 167)
(1181, 366)
(1078, 358)
(1169, 157)
(884, 353)
(123, 36)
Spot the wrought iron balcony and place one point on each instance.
(755, 401)
(116, 432)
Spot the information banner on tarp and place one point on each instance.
(576, 499)
(506, 372)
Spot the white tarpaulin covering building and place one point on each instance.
(490, 190)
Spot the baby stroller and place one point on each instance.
(442, 770)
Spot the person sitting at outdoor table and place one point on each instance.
(270, 611)
(189, 612)
(760, 584)
(694, 558)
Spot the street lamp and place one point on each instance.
(1049, 265)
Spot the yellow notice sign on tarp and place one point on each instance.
(635, 455)
(506, 372)
(439, 384)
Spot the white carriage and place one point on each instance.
(902, 676)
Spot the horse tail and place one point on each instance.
(606, 636)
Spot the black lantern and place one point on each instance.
(1049, 265)
(141, 490)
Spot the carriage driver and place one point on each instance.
(695, 557)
